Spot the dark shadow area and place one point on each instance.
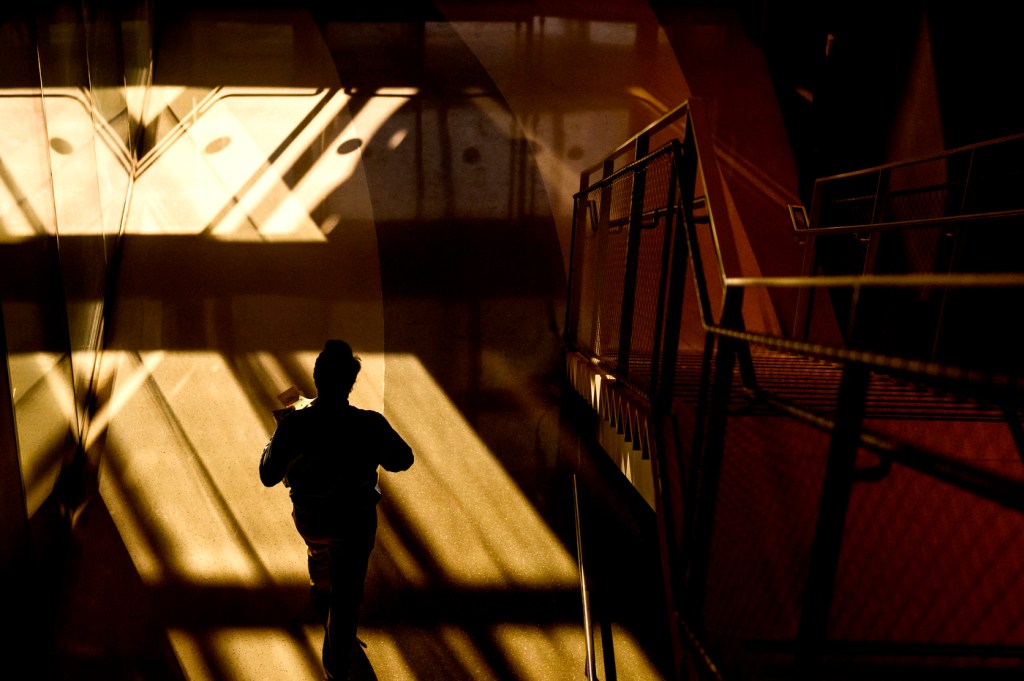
(108, 627)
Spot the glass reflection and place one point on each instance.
(65, 172)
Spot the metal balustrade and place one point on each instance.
(831, 501)
(956, 213)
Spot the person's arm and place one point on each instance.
(275, 458)
(395, 454)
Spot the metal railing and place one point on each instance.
(958, 213)
(976, 180)
(661, 305)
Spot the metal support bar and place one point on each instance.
(595, 341)
(832, 510)
(588, 628)
(805, 296)
(708, 460)
(573, 294)
(668, 320)
(636, 210)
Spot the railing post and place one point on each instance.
(877, 217)
(668, 319)
(832, 510)
(573, 297)
(967, 183)
(636, 212)
(805, 296)
(668, 477)
(588, 629)
(604, 214)
(708, 463)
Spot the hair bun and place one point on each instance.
(336, 368)
(338, 346)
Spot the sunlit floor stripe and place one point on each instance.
(531, 653)
(184, 450)
(559, 652)
(537, 654)
(246, 654)
(461, 503)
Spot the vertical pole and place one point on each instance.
(604, 215)
(572, 297)
(668, 480)
(668, 318)
(588, 629)
(805, 294)
(832, 510)
(709, 463)
(636, 212)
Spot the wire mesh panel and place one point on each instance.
(930, 574)
(620, 256)
(583, 302)
(612, 274)
(650, 275)
(599, 267)
(960, 212)
(925, 561)
(982, 178)
(771, 480)
(931, 188)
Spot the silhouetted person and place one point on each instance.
(327, 455)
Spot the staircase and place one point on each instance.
(840, 494)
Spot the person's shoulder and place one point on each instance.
(368, 414)
(367, 417)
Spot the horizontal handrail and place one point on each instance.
(965, 181)
(994, 386)
(708, 219)
(874, 360)
(869, 227)
(613, 177)
(667, 120)
(917, 160)
(914, 280)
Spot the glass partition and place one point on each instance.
(73, 80)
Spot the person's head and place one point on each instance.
(335, 370)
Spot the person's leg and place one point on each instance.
(319, 562)
(319, 578)
(349, 560)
